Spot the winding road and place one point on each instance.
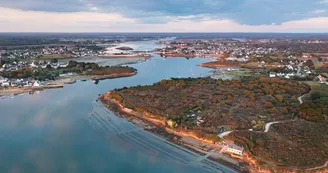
(268, 125)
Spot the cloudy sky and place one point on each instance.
(163, 15)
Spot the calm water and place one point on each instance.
(48, 132)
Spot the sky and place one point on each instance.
(164, 16)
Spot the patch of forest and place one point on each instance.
(237, 104)
(80, 68)
(300, 143)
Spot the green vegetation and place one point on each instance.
(316, 108)
(73, 67)
(38, 74)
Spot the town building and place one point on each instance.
(272, 74)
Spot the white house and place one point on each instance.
(234, 149)
(322, 79)
(5, 84)
(33, 65)
(290, 67)
(36, 84)
(272, 74)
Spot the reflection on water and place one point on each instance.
(48, 132)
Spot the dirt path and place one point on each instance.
(319, 167)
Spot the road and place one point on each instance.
(112, 126)
(222, 135)
(268, 125)
(300, 99)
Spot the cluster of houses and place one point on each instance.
(216, 47)
(292, 70)
(199, 119)
(39, 64)
(72, 50)
(28, 82)
(6, 83)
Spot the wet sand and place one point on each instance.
(217, 64)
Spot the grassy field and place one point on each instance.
(317, 87)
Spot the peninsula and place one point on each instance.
(208, 110)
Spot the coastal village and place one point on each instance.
(272, 61)
(51, 51)
(26, 82)
(260, 56)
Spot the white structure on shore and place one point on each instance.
(234, 149)
(36, 84)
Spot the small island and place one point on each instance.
(236, 111)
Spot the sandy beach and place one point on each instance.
(187, 139)
(125, 56)
(217, 64)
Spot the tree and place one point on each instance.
(48, 66)
(94, 66)
(315, 96)
(2, 62)
(284, 110)
(279, 98)
(72, 64)
(309, 63)
(228, 102)
(268, 105)
(54, 60)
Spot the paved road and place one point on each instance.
(110, 125)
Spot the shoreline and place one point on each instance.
(249, 161)
(61, 81)
(188, 55)
(124, 56)
(99, 77)
(164, 132)
(10, 91)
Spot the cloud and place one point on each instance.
(13, 20)
(319, 11)
(323, 2)
(251, 12)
